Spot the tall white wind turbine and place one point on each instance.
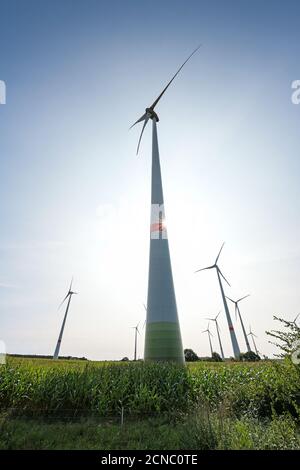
(136, 332)
(215, 319)
(253, 336)
(209, 338)
(68, 296)
(238, 313)
(235, 346)
(162, 337)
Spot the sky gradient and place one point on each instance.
(75, 199)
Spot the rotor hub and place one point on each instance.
(152, 114)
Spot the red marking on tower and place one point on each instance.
(231, 328)
(157, 227)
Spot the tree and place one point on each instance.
(216, 357)
(249, 356)
(289, 340)
(190, 355)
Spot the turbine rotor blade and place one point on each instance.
(219, 270)
(70, 288)
(230, 299)
(296, 318)
(63, 300)
(203, 269)
(145, 123)
(217, 258)
(142, 118)
(242, 298)
(167, 86)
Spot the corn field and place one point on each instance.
(76, 388)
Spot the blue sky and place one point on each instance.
(75, 200)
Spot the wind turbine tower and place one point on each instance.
(136, 328)
(218, 333)
(238, 312)
(163, 337)
(68, 296)
(235, 346)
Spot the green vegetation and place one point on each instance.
(206, 405)
(288, 340)
(200, 431)
(249, 357)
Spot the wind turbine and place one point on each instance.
(238, 313)
(136, 328)
(295, 320)
(68, 296)
(163, 337)
(252, 336)
(218, 333)
(209, 335)
(235, 346)
(146, 316)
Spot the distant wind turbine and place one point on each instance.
(209, 335)
(238, 313)
(253, 336)
(215, 319)
(136, 332)
(235, 346)
(295, 320)
(68, 296)
(145, 317)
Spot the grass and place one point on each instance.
(77, 404)
(195, 432)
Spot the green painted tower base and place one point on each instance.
(163, 342)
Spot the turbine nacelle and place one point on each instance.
(149, 112)
(69, 294)
(152, 114)
(236, 302)
(215, 266)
